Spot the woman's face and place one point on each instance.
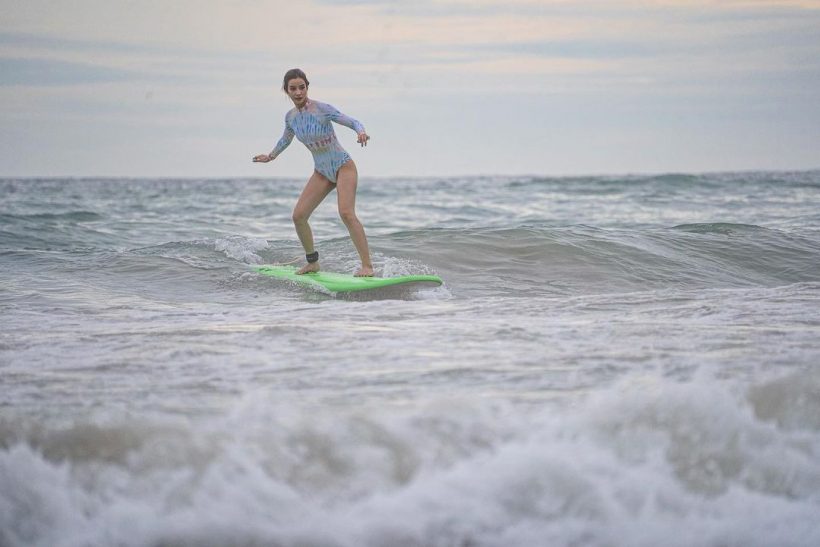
(297, 91)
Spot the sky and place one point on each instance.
(157, 88)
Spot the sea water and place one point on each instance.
(624, 360)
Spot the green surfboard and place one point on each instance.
(338, 282)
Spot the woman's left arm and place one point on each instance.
(342, 119)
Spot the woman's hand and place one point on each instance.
(363, 138)
(261, 158)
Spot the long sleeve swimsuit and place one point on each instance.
(312, 127)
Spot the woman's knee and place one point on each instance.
(348, 216)
(299, 216)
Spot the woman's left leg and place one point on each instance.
(347, 179)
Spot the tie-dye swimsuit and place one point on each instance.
(312, 127)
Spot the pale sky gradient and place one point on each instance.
(180, 88)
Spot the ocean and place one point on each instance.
(611, 361)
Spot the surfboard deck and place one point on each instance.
(339, 282)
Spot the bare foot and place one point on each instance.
(364, 271)
(310, 267)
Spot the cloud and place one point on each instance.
(48, 72)
(574, 49)
(29, 40)
(740, 4)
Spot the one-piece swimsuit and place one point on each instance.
(311, 125)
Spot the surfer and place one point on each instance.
(310, 121)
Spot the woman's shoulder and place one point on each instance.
(325, 108)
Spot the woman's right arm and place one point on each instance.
(283, 143)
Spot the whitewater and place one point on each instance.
(612, 360)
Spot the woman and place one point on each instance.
(310, 122)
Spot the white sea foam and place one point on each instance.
(676, 464)
(241, 248)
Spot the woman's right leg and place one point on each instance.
(316, 189)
